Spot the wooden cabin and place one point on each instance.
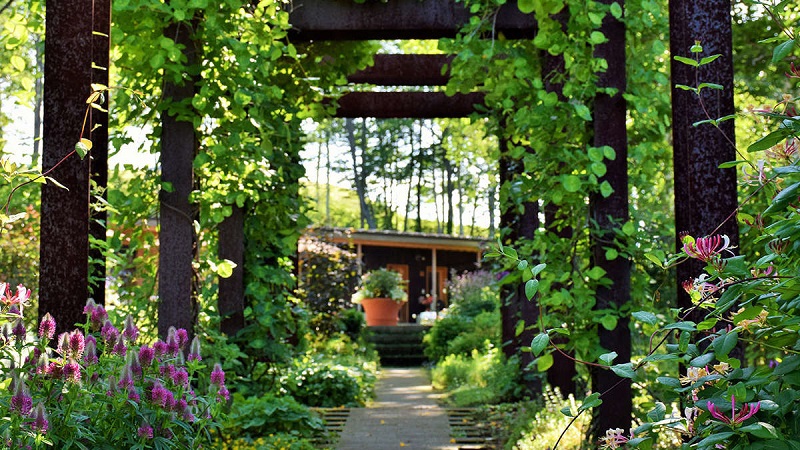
(423, 259)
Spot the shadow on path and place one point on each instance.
(403, 415)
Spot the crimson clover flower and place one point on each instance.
(40, 423)
(706, 248)
(217, 375)
(747, 411)
(145, 431)
(21, 401)
(146, 355)
(130, 331)
(194, 350)
(172, 342)
(90, 352)
(72, 372)
(47, 327)
(109, 333)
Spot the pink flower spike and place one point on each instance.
(47, 327)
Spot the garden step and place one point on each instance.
(399, 345)
(467, 432)
(334, 420)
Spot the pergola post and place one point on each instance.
(64, 236)
(705, 195)
(609, 214)
(231, 289)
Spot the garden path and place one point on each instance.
(403, 415)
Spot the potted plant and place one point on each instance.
(382, 294)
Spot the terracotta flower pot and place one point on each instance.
(381, 311)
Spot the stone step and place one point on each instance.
(399, 345)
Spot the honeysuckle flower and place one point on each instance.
(19, 299)
(47, 327)
(40, 423)
(707, 248)
(691, 414)
(759, 321)
(613, 439)
(693, 374)
(130, 331)
(722, 368)
(747, 411)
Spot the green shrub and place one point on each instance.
(538, 426)
(485, 327)
(473, 293)
(284, 441)
(480, 378)
(324, 383)
(438, 338)
(255, 417)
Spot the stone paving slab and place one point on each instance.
(403, 415)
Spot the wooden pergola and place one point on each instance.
(77, 43)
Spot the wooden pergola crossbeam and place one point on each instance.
(405, 70)
(419, 105)
(333, 20)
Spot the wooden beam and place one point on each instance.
(404, 70)
(64, 236)
(420, 105)
(396, 19)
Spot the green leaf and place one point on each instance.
(709, 59)
(762, 430)
(624, 370)
(729, 164)
(724, 344)
(526, 6)
(598, 168)
(645, 317)
(157, 60)
(608, 357)
(629, 228)
(83, 147)
(707, 324)
(537, 269)
(683, 326)
(616, 10)
(609, 152)
(688, 61)
(225, 268)
(583, 112)
(655, 259)
(716, 86)
(567, 411)
(522, 265)
(611, 254)
(531, 288)
(657, 413)
(544, 362)
(519, 328)
(609, 322)
(669, 381)
(571, 183)
(539, 343)
(605, 189)
(596, 273)
(18, 63)
(782, 50)
(769, 140)
(702, 360)
(595, 154)
(782, 200)
(591, 402)
(597, 37)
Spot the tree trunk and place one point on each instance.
(358, 175)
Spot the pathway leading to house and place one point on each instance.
(403, 415)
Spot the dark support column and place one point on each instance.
(609, 214)
(231, 289)
(517, 226)
(420, 105)
(177, 305)
(99, 153)
(562, 373)
(64, 244)
(705, 195)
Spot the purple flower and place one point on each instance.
(706, 248)
(146, 355)
(181, 378)
(173, 344)
(98, 317)
(119, 347)
(112, 386)
(134, 396)
(130, 331)
(158, 395)
(40, 423)
(109, 333)
(747, 411)
(72, 372)
(160, 348)
(217, 375)
(224, 393)
(21, 401)
(47, 327)
(77, 344)
(90, 306)
(194, 350)
(19, 330)
(145, 431)
(90, 354)
(126, 378)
